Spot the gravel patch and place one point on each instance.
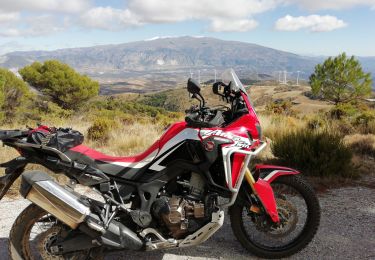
(347, 231)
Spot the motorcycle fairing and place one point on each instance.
(129, 166)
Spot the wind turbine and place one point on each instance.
(283, 82)
(298, 73)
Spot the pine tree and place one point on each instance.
(340, 80)
(66, 87)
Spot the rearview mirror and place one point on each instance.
(193, 86)
(215, 88)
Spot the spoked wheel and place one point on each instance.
(33, 233)
(299, 214)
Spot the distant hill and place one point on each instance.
(168, 53)
(169, 58)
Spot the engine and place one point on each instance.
(186, 212)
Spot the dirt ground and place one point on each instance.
(347, 231)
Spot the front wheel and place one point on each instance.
(299, 214)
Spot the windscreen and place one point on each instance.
(230, 77)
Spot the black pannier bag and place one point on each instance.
(61, 138)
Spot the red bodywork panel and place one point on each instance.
(266, 196)
(171, 132)
(236, 167)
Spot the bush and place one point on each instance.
(280, 107)
(13, 91)
(61, 83)
(100, 130)
(316, 122)
(314, 153)
(343, 127)
(362, 144)
(343, 110)
(365, 122)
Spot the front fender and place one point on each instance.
(269, 173)
(265, 175)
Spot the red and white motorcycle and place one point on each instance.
(172, 195)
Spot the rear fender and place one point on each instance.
(13, 169)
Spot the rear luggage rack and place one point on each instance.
(6, 134)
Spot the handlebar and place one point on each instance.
(203, 117)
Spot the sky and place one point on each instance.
(307, 27)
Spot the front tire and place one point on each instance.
(239, 222)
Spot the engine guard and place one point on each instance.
(266, 174)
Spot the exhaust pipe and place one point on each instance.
(42, 190)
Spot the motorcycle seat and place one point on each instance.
(111, 164)
(98, 156)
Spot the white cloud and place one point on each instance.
(11, 32)
(172, 11)
(9, 17)
(314, 23)
(226, 15)
(11, 46)
(36, 26)
(16, 16)
(108, 18)
(65, 6)
(331, 4)
(227, 25)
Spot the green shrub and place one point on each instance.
(343, 110)
(13, 94)
(365, 122)
(316, 122)
(101, 129)
(314, 153)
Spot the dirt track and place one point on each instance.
(347, 231)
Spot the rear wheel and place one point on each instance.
(299, 213)
(32, 234)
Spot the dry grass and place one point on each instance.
(275, 125)
(129, 139)
(362, 144)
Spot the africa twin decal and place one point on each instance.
(238, 141)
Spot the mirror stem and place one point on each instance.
(203, 101)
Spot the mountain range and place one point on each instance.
(174, 55)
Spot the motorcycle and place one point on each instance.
(172, 195)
